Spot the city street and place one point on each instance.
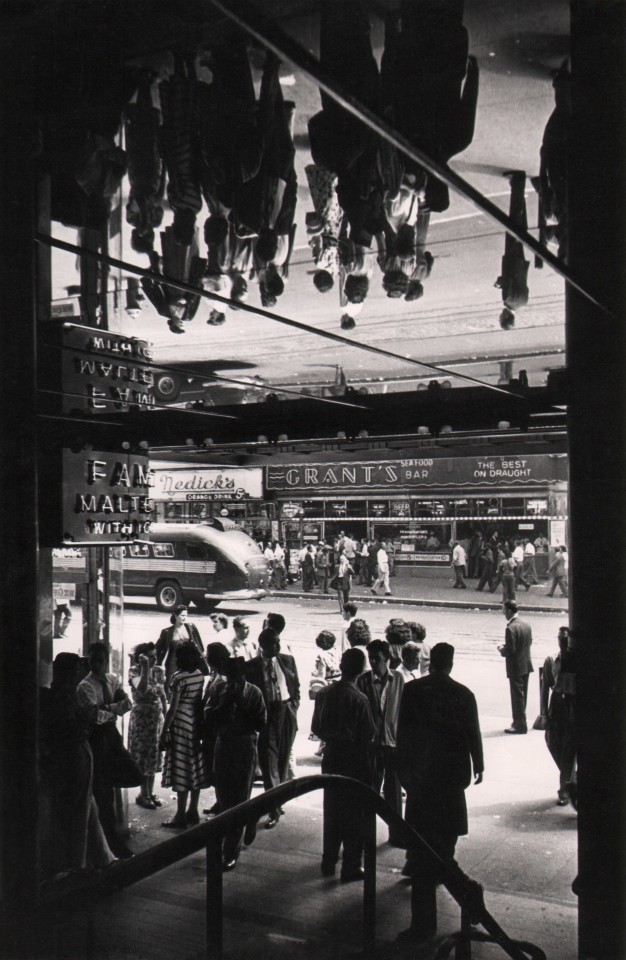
(475, 635)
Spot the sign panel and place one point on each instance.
(558, 533)
(208, 483)
(105, 372)
(290, 510)
(106, 496)
(426, 558)
(419, 473)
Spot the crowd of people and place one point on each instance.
(226, 714)
(508, 563)
(494, 561)
(332, 567)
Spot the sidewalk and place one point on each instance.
(521, 847)
(429, 588)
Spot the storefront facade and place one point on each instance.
(184, 494)
(422, 504)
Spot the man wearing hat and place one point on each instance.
(322, 566)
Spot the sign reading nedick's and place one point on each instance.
(106, 496)
(104, 372)
(420, 472)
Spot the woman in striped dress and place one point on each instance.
(184, 768)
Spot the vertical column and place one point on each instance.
(595, 357)
(18, 490)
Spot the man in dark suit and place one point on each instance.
(516, 651)
(343, 721)
(276, 676)
(513, 279)
(237, 713)
(438, 741)
(383, 689)
(430, 85)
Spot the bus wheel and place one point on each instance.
(206, 606)
(168, 595)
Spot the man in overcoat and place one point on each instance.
(516, 651)
(438, 743)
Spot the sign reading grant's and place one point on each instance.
(106, 496)
(419, 473)
(208, 483)
(105, 372)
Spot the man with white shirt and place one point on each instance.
(280, 571)
(382, 579)
(529, 570)
(276, 676)
(383, 689)
(102, 695)
(518, 557)
(459, 561)
(410, 668)
(241, 645)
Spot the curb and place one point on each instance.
(418, 602)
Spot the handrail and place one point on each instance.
(467, 892)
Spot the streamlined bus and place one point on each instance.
(201, 562)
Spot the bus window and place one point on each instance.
(196, 551)
(139, 550)
(163, 549)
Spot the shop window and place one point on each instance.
(356, 508)
(537, 508)
(379, 508)
(335, 509)
(430, 508)
(313, 508)
(400, 508)
(198, 510)
(513, 507)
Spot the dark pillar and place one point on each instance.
(18, 496)
(596, 355)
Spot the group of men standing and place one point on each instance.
(423, 735)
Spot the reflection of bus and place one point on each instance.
(203, 562)
(200, 562)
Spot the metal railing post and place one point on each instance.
(369, 882)
(214, 917)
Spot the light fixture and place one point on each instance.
(363, 434)
(423, 431)
(190, 442)
(341, 435)
(422, 386)
(504, 425)
(144, 445)
(208, 441)
(282, 437)
(446, 384)
(446, 428)
(261, 438)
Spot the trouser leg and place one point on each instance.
(519, 691)
(392, 791)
